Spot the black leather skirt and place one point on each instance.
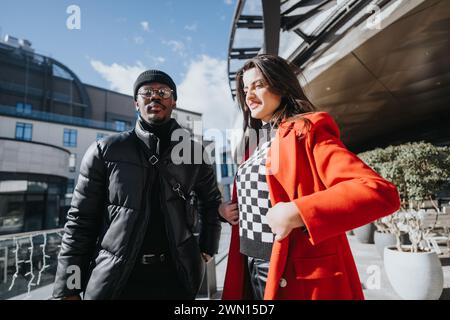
(258, 270)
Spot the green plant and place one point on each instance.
(419, 170)
(426, 171)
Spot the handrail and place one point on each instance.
(28, 234)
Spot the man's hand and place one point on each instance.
(229, 211)
(75, 297)
(282, 218)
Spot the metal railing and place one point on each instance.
(28, 264)
(28, 261)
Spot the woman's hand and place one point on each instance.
(282, 218)
(229, 211)
(206, 257)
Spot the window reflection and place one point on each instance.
(31, 205)
(12, 212)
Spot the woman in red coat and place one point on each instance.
(296, 195)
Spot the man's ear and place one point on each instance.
(136, 106)
(174, 104)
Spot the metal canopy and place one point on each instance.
(382, 87)
(315, 22)
(250, 22)
(326, 30)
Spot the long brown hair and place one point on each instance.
(282, 80)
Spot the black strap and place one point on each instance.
(176, 186)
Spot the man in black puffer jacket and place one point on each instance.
(130, 234)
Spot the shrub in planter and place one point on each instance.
(386, 234)
(419, 170)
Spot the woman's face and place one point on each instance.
(261, 102)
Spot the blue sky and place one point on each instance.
(163, 34)
(120, 39)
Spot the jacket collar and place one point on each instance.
(149, 138)
(286, 125)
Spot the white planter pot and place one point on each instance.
(414, 276)
(364, 234)
(383, 240)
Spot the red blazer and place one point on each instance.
(334, 192)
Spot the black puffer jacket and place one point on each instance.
(108, 217)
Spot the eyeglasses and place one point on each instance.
(162, 93)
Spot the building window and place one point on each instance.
(224, 166)
(70, 137)
(24, 131)
(101, 135)
(70, 185)
(72, 162)
(23, 108)
(224, 170)
(120, 125)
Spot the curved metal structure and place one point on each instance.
(78, 84)
(380, 67)
(294, 16)
(45, 66)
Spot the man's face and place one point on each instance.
(152, 107)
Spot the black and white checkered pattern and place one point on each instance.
(254, 202)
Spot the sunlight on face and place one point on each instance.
(261, 102)
(155, 109)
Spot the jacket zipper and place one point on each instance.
(138, 235)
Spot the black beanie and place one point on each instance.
(154, 76)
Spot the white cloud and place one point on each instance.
(253, 7)
(156, 61)
(145, 26)
(192, 27)
(205, 89)
(229, 2)
(119, 77)
(138, 40)
(176, 46)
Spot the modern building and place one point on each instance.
(226, 170)
(379, 67)
(48, 118)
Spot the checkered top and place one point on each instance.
(256, 237)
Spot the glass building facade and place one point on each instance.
(31, 202)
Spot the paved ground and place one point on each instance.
(366, 256)
(367, 259)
